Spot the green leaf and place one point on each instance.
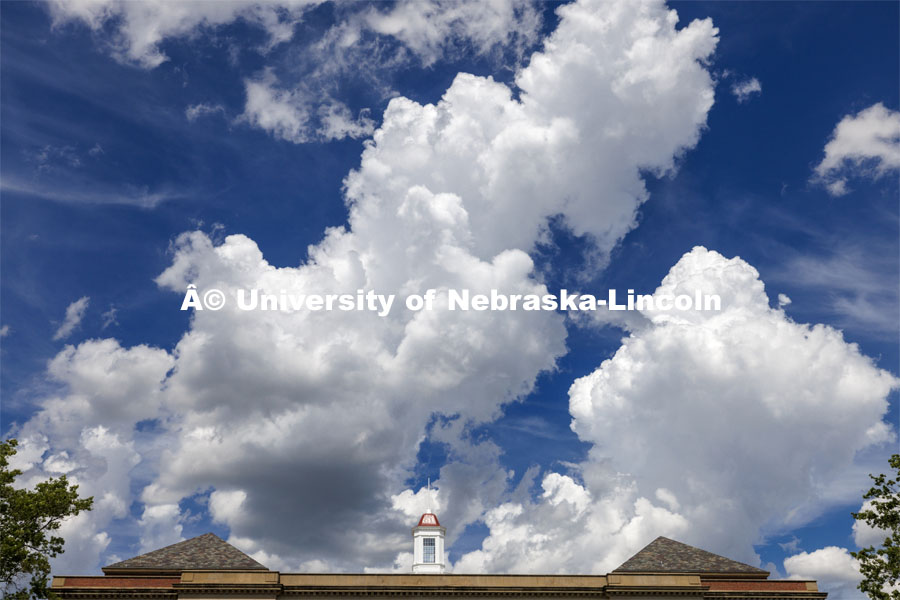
(27, 520)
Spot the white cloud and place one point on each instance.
(110, 317)
(279, 112)
(139, 27)
(85, 191)
(84, 544)
(864, 535)
(367, 44)
(108, 389)
(104, 462)
(737, 421)
(74, 313)
(5, 331)
(337, 122)
(747, 373)
(744, 90)
(864, 144)
(414, 504)
(834, 569)
(297, 115)
(306, 110)
(792, 545)
(451, 194)
(741, 422)
(160, 526)
(636, 100)
(133, 31)
(570, 530)
(226, 506)
(429, 28)
(196, 111)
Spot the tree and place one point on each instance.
(27, 520)
(880, 567)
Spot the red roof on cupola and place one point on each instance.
(428, 520)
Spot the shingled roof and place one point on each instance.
(663, 555)
(207, 551)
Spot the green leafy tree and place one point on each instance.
(28, 519)
(881, 566)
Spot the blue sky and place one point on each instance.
(110, 153)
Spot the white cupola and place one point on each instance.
(428, 545)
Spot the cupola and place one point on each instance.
(428, 545)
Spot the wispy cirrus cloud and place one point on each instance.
(74, 313)
(87, 193)
(858, 285)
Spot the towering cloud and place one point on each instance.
(300, 420)
(714, 427)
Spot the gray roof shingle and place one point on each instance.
(663, 555)
(207, 551)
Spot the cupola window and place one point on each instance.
(428, 547)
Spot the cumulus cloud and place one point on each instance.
(864, 535)
(160, 526)
(225, 506)
(636, 101)
(711, 427)
(255, 406)
(835, 570)
(74, 313)
(744, 90)
(569, 529)
(88, 432)
(740, 422)
(865, 144)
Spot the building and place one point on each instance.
(208, 568)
